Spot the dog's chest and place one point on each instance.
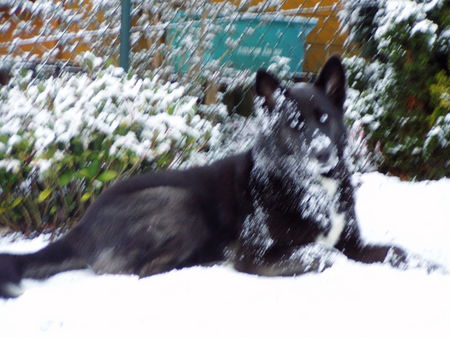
(337, 219)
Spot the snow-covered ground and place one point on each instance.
(347, 300)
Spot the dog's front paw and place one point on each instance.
(314, 257)
(400, 259)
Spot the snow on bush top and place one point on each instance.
(399, 82)
(64, 139)
(397, 12)
(388, 14)
(139, 115)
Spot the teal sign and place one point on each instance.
(251, 41)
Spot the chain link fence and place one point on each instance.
(208, 46)
(70, 123)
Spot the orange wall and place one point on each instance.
(322, 42)
(34, 25)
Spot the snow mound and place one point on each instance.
(350, 299)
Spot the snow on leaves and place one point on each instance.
(143, 116)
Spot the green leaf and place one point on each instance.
(44, 194)
(16, 202)
(84, 173)
(107, 176)
(66, 178)
(85, 197)
(170, 110)
(91, 170)
(40, 87)
(94, 168)
(53, 210)
(89, 64)
(76, 146)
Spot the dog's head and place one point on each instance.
(309, 115)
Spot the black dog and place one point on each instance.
(284, 207)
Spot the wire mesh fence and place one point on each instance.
(197, 42)
(70, 123)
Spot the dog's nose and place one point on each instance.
(323, 155)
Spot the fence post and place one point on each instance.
(125, 27)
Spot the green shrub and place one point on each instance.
(400, 84)
(63, 140)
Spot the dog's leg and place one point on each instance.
(353, 246)
(313, 257)
(389, 254)
(61, 255)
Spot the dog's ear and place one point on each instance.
(332, 80)
(265, 86)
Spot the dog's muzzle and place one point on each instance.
(324, 153)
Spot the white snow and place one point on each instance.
(52, 113)
(348, 300)
(397, 12)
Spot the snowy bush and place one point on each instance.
(400, 84)
(62, 140)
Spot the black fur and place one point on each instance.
(267, 210)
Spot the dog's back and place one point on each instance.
(190, 214)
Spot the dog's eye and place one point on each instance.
(321, 117)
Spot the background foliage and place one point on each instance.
(64, 139)
(401, 86)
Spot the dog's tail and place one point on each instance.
(57, 257)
